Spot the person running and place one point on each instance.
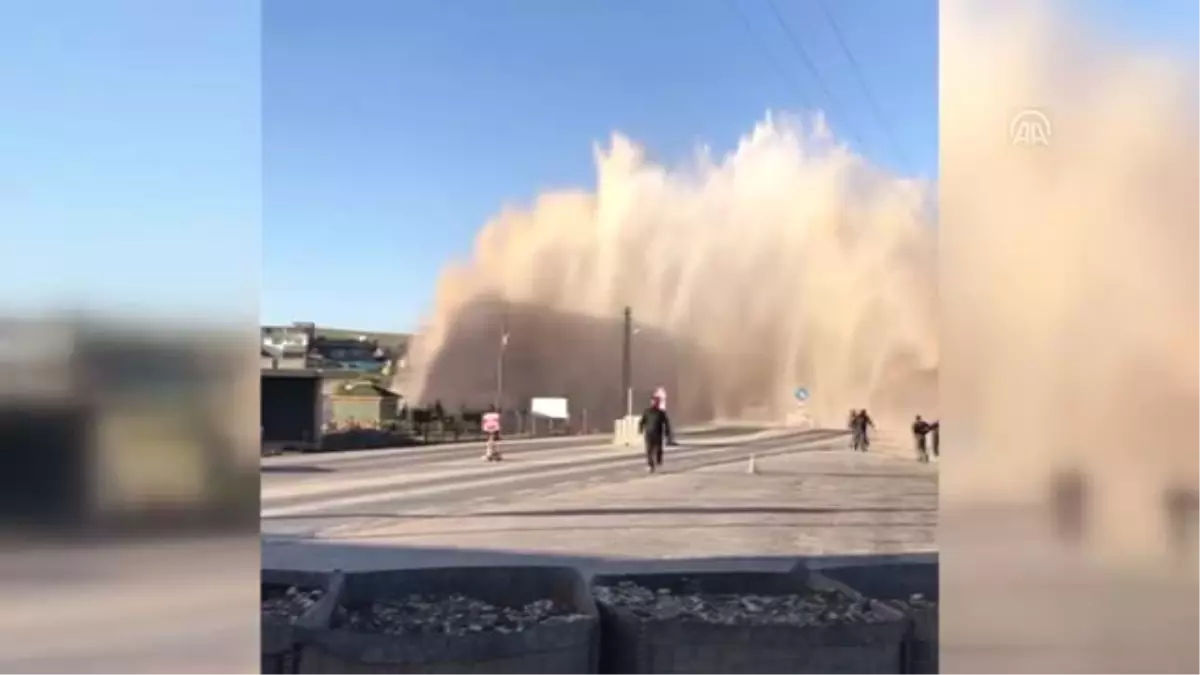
(852, 425)
(920, 428)
(655, 428)
(863, 424)
(491, 427)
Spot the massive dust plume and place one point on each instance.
(1069, 271)
(790, 262)
(1065, 333)
(1069, 346)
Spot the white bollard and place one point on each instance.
(625, 432)
(751, 468)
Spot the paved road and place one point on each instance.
(303, 495)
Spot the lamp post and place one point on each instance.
(500, 366)
(627, 361)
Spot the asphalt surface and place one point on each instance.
(303, 495)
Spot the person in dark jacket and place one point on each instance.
(655, 428)
(863, 424)
(852, 425)
(935, 437)
(920, 429)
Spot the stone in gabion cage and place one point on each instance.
(809, 608)
(291, 604)
(916, 601)
(450, 615)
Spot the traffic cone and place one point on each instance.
(751, 468)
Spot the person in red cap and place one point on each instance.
(655, 428)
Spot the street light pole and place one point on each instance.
(627, 363)
(500, 365)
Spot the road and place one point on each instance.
(304, 495)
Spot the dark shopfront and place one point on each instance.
(291, 408)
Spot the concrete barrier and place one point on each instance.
(281, 640)
(625, 431)
(553, 648)
(635, 644)
(895, 579)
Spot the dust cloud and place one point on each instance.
(1068, 276)
(1069, 271)
(789, 262)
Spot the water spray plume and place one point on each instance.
(791, 261)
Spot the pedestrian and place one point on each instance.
(864, 425)
(935, 436)
(491, 427)
(920, 429)
(852, 425)
(655, 428)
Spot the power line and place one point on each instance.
(803, 53)
(762, 44)
(834, 105)
(880, 118)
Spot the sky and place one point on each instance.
(130, 145)
(394, 130)
(321, 160)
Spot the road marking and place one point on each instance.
(568, 467)
(419, 473)
(339, 456)
(316, 507)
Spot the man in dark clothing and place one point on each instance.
(655, 428)
(935, 436)
(863, 424)
(852, 425)
(920, 428)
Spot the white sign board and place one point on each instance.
(554, 408)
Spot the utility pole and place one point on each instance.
(500, 364)
(627, 363)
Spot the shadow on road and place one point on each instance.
(392, 536)
(575, 513)
(922, 475)
(295, 468)
(717, 432)
(323, 555)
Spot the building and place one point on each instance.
(360, 403)
(116, 425)
(299, 406)
(304, 345)
(291, 408)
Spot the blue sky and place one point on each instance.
(129, 156)
(177, 155)
(393, 130)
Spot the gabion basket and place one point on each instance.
(633, 644)
(280, 639)
(896, 579)
(555, 648)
